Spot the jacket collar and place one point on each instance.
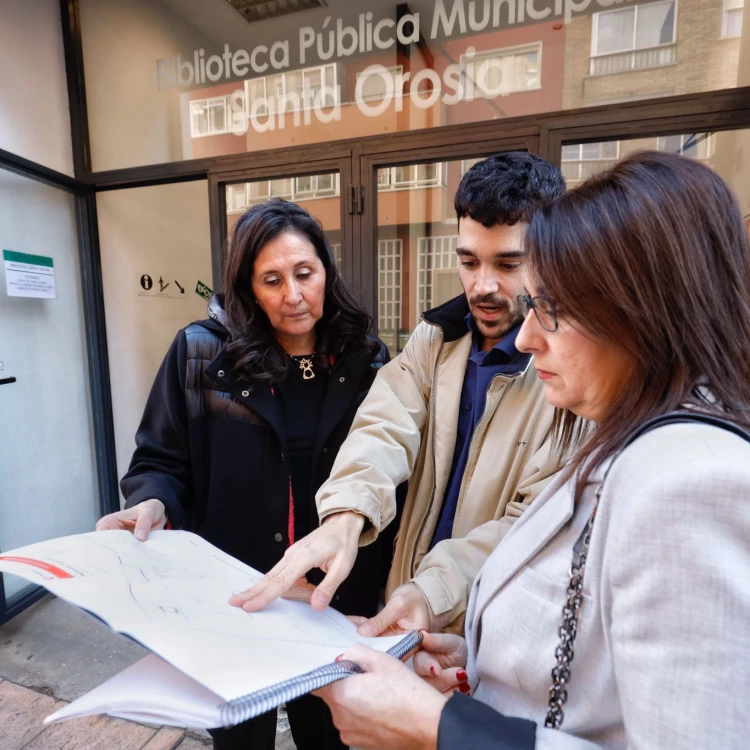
(216, 309)
(451, 317)
(256, 396)
(344, 381)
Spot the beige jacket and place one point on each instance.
(406, 429)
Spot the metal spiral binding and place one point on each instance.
(261, 701)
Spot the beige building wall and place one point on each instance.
(705, 61)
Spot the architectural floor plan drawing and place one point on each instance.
(171, 594)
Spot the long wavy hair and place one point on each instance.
(253, 349)
(651, 256)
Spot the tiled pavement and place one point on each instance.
(52, 654)
(22, 711)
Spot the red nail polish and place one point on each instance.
(432, 671)
(461, 675)
(464, 688)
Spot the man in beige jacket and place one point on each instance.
(460, 413)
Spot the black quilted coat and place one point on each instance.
(211, 449)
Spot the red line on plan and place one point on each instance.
(53, 569)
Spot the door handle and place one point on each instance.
(7, 381)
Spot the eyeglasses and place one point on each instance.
(544, 308)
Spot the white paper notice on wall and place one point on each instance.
(29, 275)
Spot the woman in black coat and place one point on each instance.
(245, 419)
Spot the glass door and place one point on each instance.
(323, 187)
(319, 194)
(411, 234)
(48, 474)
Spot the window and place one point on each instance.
(316, 186)
(582, 160)
(633, 38)
(291, 92)
(374, 85)
(436, 257)
(694, 145)
(307, 187)
(389, 290)
(506, 71)
(411, 176)
(236, 198)
(209, 116)
(732, 21)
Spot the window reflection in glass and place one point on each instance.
(629, 51)
(319, 194)
(417, 235)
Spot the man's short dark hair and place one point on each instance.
(504, 189)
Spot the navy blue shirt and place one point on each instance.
(481, 368)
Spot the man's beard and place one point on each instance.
(496, 329)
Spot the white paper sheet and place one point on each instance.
(149, 690)
(170, 594)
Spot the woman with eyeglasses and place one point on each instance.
(616, 611)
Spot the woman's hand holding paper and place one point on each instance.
(141, 519)
(407, 708)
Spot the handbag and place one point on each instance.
(564, 652)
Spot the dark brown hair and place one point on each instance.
(653, 257)
(255, 353)
(504, 188)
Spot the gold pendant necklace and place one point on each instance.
(305, 364)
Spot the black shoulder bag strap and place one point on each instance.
(564, 652)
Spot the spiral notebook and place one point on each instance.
(210, 664)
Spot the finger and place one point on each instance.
(281, 578)
(439, 643)
(426, 665)
(239, 599)
(302, 591)
(117, 521)
(369, 659)
(145, 520)
(327, 588)
(382, 621)
(108, 523)
(450, 679)
(297, 595)
(356, 619)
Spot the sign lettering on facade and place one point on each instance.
(336, 39)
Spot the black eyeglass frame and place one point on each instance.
(527, 303)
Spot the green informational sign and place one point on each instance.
(203, 290)
(32, 260)
(29, 275)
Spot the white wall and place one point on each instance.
(160, 231)
(34, 111)
(48, 484)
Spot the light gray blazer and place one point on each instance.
(662, 656)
